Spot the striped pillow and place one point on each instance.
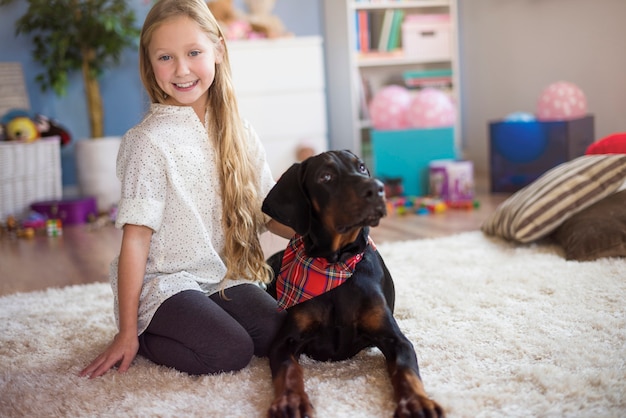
(539, 208)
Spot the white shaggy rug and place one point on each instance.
(500, 331)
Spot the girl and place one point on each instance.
(193, 179)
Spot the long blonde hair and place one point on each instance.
(241, 203)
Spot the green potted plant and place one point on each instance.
(87, 36)
(78, 35)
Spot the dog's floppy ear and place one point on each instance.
(288, 203)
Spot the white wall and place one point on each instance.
(512, 49)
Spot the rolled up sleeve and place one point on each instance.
(141, 169)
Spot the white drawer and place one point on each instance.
(294, 115)
(276, 65)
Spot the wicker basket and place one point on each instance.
(29, 172)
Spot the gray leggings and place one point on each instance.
(199, 335)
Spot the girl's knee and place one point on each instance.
(238, 357)
(231, 358)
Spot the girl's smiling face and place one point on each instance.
(183, 58)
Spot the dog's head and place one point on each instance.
(328, 199)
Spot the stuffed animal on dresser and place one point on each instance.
(259, 22)
(263, 20)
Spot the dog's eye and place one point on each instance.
(363, 169)
(326, 177)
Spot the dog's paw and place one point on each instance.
(418, 407)
(291, 405)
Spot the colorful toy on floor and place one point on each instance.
(426, 205)
(9, 227)
(27, 228)
(464, 204)
(54, 227)
(403, 205)
(393, 187)
(34, 220)
(27, 233)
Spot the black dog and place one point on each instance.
(331, 200)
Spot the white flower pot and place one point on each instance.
(95, 165)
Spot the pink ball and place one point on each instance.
(561, 101)
(431, 108)
(388, 108)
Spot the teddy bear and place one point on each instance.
(223, 11)
(258, 23)
(232, 21)
(263, 20)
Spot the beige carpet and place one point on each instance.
(500, 331)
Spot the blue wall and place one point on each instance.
(124, 98)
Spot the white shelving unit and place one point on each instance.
(345, 66)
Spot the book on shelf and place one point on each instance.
(378, 30)
(363, 30)
(376, 21)
(394, 31)
(357, 44)
(385, 31)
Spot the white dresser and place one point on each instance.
(281, 91)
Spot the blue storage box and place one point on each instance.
(520, 152)
(406, 154)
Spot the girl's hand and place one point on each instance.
(131, 269)
(122, 351)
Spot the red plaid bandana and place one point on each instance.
(302, 278)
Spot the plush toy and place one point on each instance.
(262, 20)
(48, 127)
(22, 129)
(223, 11)
(20, 125)
(232, 21)
(258, 23)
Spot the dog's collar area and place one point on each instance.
(357, 246)
(302, 277)
(320, 247)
